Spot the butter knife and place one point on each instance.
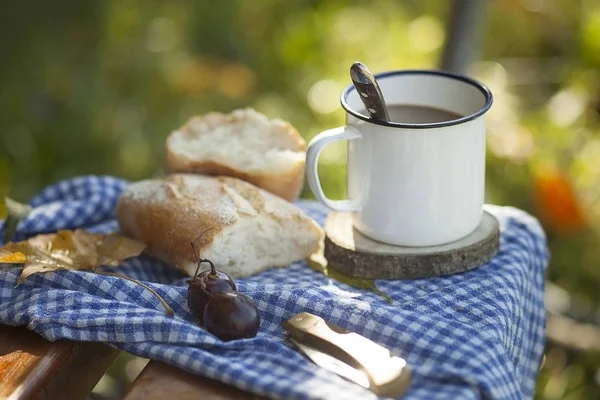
(349, 355)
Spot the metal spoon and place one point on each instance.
(369, 91)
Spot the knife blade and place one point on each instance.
(334, 365)
(386, 375)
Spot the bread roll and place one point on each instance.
(252, 229)
(244, 144)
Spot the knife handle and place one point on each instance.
(349, 347)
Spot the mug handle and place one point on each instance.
(316, 145)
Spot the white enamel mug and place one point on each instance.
(412, 184)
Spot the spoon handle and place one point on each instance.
(369, 91)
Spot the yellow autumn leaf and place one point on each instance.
(71, 250)
(13, 258)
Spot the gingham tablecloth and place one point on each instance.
(474, 335)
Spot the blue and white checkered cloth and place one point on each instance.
(474, 335)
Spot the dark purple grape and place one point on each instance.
(230, 316)
(203, 286)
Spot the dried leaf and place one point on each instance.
(318, 262)
(71, 250)
(115, 248)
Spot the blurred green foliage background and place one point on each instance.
(94, 87)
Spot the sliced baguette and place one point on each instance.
(243, 144)
(251, 229)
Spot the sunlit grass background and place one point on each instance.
(94, 87)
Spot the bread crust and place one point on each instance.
(167, 226)
(287, 185)
(167, 214)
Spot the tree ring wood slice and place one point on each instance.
(352, 253)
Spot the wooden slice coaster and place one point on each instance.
(352, 253)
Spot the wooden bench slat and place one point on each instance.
(31, 367)
(159, 381)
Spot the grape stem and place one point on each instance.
(213, 271)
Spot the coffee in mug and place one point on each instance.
(417, 114)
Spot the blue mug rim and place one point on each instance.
(463, 78)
